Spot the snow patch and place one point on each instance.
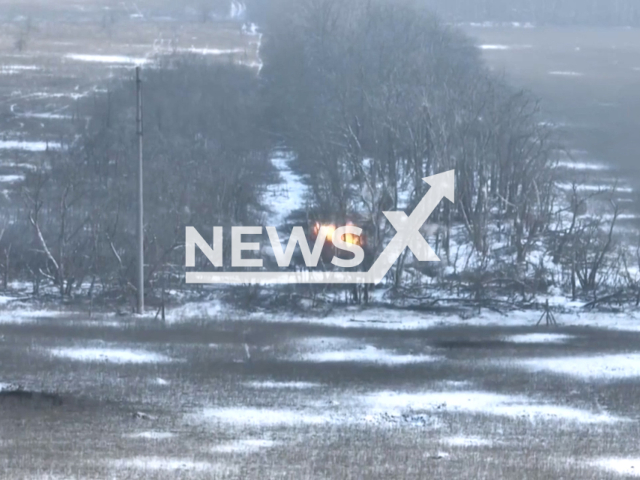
(628, 467)
(74, 96)
(198, 310)
(15, 69)
(11, 179)
(244, 446)
(282, 385)
(368, 354)
(47, 116)
(109, 355)
(615, 366)
(250, 29)
(384, 319)
(483, 403)
(503, 47)
(538, 338)
(494, 47)
(467, 442)
(593, 188)
(582, 166)
(152, 435)
(168, 464)
(26, 316)
(316, 344)
(454, 384)
(260, 417)
(213, 51)
(258, 65)
(28, 146)
(621, 216)
(490, 24)
(107, 59)
(566, 73)
(284, 198)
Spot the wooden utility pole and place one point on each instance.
(140, 279)
(548, 316)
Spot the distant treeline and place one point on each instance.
(369, 97)
(618, 13)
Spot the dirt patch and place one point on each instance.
(28, 398)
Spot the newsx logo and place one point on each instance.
(407, 235)
(283, 257)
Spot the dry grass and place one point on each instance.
(87, 435)
(88, 432)
(41, 79)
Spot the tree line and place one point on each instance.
(369, 97)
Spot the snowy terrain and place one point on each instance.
(114, 355)
(263, 384)
(282, 199)
(263, 394)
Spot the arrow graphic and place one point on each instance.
(407, 235)
(408, 228)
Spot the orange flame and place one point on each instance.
(330, 230)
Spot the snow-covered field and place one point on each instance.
(539, 338)
(73, 51)
(357, 393)
(286, 197)
(113, 355)
(381, 318)
(197, 399)
(623, 467)
(502, 47)
(605, 367)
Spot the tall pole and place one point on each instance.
(140, 278)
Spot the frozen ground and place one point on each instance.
(244, 446)
(354, 394)
(467, 442)
(152, 435)
(106, 59)
(365, 354)
(539, 338)
(382, 318)
(482, 403)
(113, 355)
(27, 146)
(282, 385)
(502, 47)
(443, 399)
(565, 73)
(74, 50)
(623, 467)
(588, 367)
(287, 196)
(173, 466)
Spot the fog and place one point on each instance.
(319, 239)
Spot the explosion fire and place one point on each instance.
(330, 230)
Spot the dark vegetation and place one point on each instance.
(22, 397)
(370, 97)
(207, 161)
